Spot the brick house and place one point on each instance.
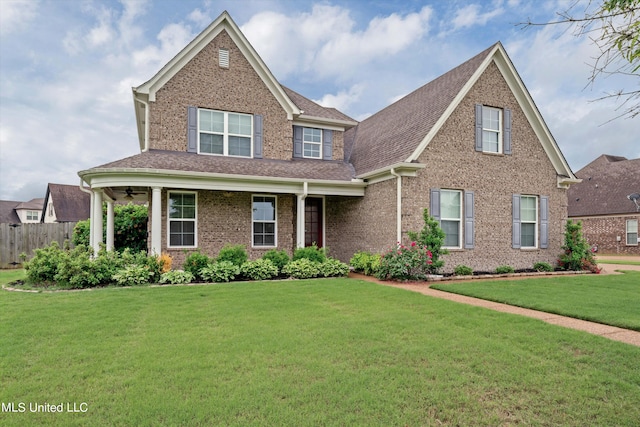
(229, 155)
(607, 202)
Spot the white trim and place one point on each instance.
(169, 219)
(398, 204)
(459, 219)
(499, 131)
(275, 222)
(536, 223)
(326, 123)
(225, 133)
(319, 144)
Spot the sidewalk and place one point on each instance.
(611, 332)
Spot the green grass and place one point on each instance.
(611, 299)
(8, 276)
(320, 352)
(619, 262)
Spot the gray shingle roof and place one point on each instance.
(70, 203)
(310, 108)
(606, 183)
(191, 162)
(393, 134)
(8, 212)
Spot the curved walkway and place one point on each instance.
(611, 332)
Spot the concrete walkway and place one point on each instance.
(611, 332)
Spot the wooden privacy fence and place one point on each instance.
(18, 238)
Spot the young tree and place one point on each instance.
(432, 237)
(614, 27)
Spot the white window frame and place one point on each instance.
(535, 222)
(313, 143)
(451, 219)
(628, 232)
(496, 131)
(194, 220)
(274, 221)
(33, 216)
(226, 133)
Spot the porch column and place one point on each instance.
(92, 222)
(110, 225)
(156, 220)
(300, 216)
(96, 219)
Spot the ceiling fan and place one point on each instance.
(130, 193)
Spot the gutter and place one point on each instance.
(398, 204)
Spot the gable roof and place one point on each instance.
(8, 212)
(33, 204)
(399, 133)
(70, 203)
(316, 112)
(606, 183)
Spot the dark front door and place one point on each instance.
(313, 222)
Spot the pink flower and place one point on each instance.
(413, 244)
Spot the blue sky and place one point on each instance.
(67, 68)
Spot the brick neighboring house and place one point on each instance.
(229, 155)
(65, 203)
(602, 201)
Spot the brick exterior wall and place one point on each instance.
(453, 163)
(604, 232)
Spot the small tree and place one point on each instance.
(577, 253)
(432, 237)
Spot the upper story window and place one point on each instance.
(224, 133)
(33, 215)
(632, 232)
(312, 143)
(491, 130)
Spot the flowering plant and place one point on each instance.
(405, 262)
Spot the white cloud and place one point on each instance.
(343, 99)
(200, 18)
(16, 14)
(469, 16)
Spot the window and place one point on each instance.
(632, 232)
(50, 209)
(312, 143)
(33, 215)
(491, 130)
(264, 223)
(528, 221)
(181, 213)
(224, 133)
(450, 217)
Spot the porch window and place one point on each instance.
(632, 232)
(182, 222)
(264, 223)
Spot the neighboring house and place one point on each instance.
(65, 203)
(607, 201)
(229, 155)
(20, 212)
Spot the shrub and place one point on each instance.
(165, 262)
(133, 275)
(333, 268)
(236, 254)
(43, 267)
(260, 269)
(312, 253)
(302, 268)
(130, 228)
(542, 266)
(221, 271)
(77, 270)
(278, 258)
(175, 277)
(431, 237)
(462, 270)
(194, 263)
(577, 252)
(505, 269)
(365, 262)
(405, 262)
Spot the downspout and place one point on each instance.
(300, 215)
(398, 205)
(146, 125)
(91, 223)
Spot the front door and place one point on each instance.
(313, 222)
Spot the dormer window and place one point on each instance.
(312, 143)
(224, 133)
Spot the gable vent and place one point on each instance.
(223, 58)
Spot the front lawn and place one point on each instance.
(316, 352)
(612, 299)
(8, 276)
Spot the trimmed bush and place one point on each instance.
(463, 270)
(405, 263)
(235, 254)
(505, 269)
(175, 277)
(260, 269)
(302, 268)
(312, 253)
(222, 271)
(542, 266)
(334, 268)
(195, 262)
(278, 258)
(365, 262)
